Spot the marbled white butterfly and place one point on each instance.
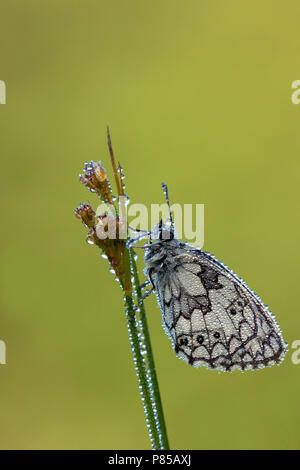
(211, 316)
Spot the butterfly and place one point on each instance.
(211, 315)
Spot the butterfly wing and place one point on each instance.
(213, 318)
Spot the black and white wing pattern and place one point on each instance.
(211, 316)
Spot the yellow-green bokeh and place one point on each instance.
(197, 94)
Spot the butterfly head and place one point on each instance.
(163, 231)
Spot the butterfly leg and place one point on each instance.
(142, 298)
(145, 284)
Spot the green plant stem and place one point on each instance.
(122, 262)
(160, 438)
(139, 364)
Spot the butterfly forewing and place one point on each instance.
(211, 316)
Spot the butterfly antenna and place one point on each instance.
(148, 232)
(165, 190)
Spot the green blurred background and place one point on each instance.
(197, 94)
